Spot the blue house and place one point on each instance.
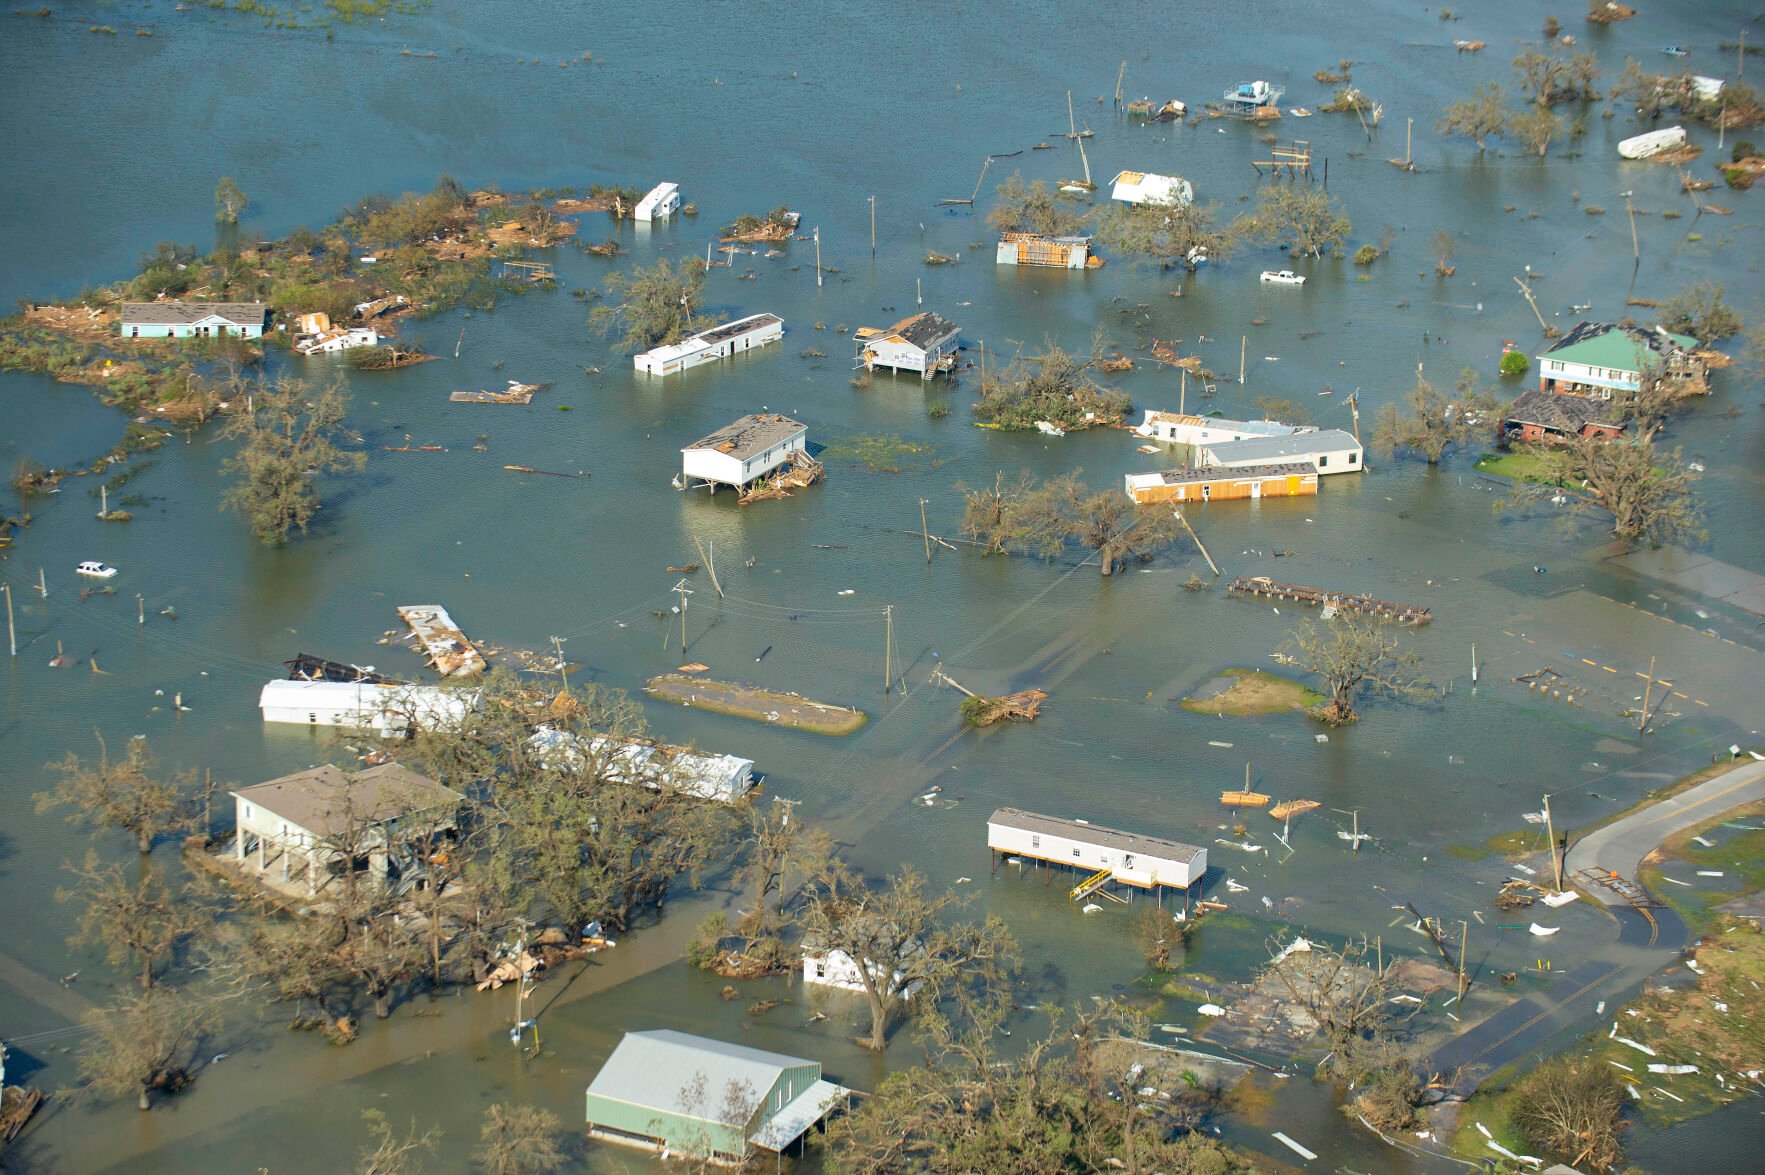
(193, 320)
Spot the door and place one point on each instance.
(1256, 489)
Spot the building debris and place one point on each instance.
(1320, 597)
(517, 393)
(449, 652)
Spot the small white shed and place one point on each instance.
(1145, 187)
(361, 705)
(661, 202)
(744, 451)
(835, 968)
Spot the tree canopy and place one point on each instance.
(1032, 208)
(290, 431)
(1354, 654)
(655, 306)
(1302, 218)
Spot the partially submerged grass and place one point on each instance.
(1253, 692)
(883, 453)
(1516, 465)
(762, 705)
(1740, 857)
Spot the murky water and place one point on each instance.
(749, 106)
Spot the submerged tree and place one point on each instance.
(124, 795)
(1168, 235)
(519, 1140)
(1479, 117)
(1055, 386)
(1648, 492)
(1354, 653)
(1573, 1107)
(1032, 208)
(1429, 420)
(1031, 518)
(655, 306)
(146, 1042)
(141, 922)
(290, 431)
(1304, 219)
(1536, 128)
(1444, 247)
(230, 201)
(387, 1153)
(1699, 311)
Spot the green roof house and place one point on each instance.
(1598, 358)
(690, 1096)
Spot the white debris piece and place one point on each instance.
(1294, 1146)
(1542, 931)
(1505, 1153)
(1559, 899)
(1673, 1068)
(1211, 1010)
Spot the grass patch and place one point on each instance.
(1513, 845)
(1491, 1109)
(1741, 856)
(746, 701)
(880, 454)
(1254, 691)
(1516, 465)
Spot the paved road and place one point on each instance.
(1647, 938)
(1619, 847)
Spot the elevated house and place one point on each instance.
(1541, 416)
(1107, 855)
(925, 342)
(695, 1097)
(1598, 358)
(193, 320)
(744, 451)
(319, 824)
(1331, 450)
(1145, 187)
(708, 346)
(657, 766)
(1049, 252)
(1184, 428)
(659, 203)
(385, 709)
(1206, 485)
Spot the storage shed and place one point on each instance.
(1110, 855)
(193, 320)
(925, 342)
(661, 202)
(708, 346)
(1205, 485)
(1186, 428)
(363, 705)
(1051, 252)
(1331, 450)
(686, 1095)
(725, 778)
(1145, 187)
(744, 451)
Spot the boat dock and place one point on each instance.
(1319, 597)
(450, 653)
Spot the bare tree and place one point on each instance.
(124, 795)
(1305, 219)
(519, 1140)
(1478, 117)
(1039, 519)
(1354, 653)
(1444, 247)
(1536, 128)
(143, 922)
(1573, 1107)
(1168, 235)
(1430, 421)
(1542, 77)
(146, 1042)
(1647, 491)
(1031, 208)
(388, 1154)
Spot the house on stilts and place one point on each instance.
(1103, 857)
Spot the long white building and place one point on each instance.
(360, 705)
(745, 450)
(1144, 862)
(1331, 450)
(725, 778)
(708, 346)
(659, 204)
(1186, 428)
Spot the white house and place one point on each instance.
(835, 968)
(745, 451)
(725, 778)
(1145, 862)
(1331, 450)
(1049, 252)
(660, 203)
(719, 342)
(363, 705)
(1185, 428)
(337, 338)
(1145, 187)
(193, 320)
(324, 821)
(925, 342)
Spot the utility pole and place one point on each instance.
(42, 584)
(1740, 58)
(1354, 408)
(1550, 830)
(1527, 290)
(1464, 940)
(873, 226)
(11, 633)
(558, 651)
(1357, 830)
(1473, 662)
(888, 648)
(680, 589)
(1635, 247)
(140, 609)
(924, 532)
(982, 344)
(1243, 345)
(1182, 389)
(1642, 722)
(818, 257)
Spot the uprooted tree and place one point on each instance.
(1055, 386)
(1032, 208)
(1354, 654)
(655, 306)
(1572, 1107)
(289, 430)
(1429, 421)
(1030, 518)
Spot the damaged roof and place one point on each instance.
(1624, 348)
(1561, 413)
(751, 435)
(181, 313)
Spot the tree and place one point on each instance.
(1573, 1107)
(1445, 247)
(141, 922)
(1031, 208)
(147, 1041)
(1055, 386)
(1536, 128)
(1279, 408)
(1353, 653)
(655, 306)
(289, 431)
(1647, 406)
(1478, 117)
(1430, 421)
(897, 940)
(388, 1154)
(1514, 363)
(1647, 492)
(229, 201)
(777, 853)
(1168, 235)
(122, 795)
(1699, 311)
(1542, 76)
(1040, 519)
(1580, 72)
(1306, 220)
(519, 1140)
(1645, 91)
(1159, 936)
(1342, 990)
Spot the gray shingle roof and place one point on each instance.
(923, 330)
(654, 1069)
(1561, 413)
(324, 800)
(750, 435)
(1096, 834)
(183, 313)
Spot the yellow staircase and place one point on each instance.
(1091, 884)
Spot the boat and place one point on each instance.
(1283, 277)
(1251, 97)
(96, 569)
(1653, 143)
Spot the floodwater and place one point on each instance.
(114, 143)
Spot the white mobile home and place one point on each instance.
(926, 343)
(361, 705)
(660, 203)
(336, 338)
(1145, 862)
(725, 778)
(1331, 450)
(708, 346)
(1185, 428)
(745, 451)
(1145, 187)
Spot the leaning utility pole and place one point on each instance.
(888, 648)
(1635, 247)
(558, 652)
(1464, 939)
(818, 257)
(11, 633)
(1527, 290)
(1550, 830)
(924, 532)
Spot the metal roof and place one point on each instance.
(750, 435)
(1622, 348)
(1267, 428)
(654, 1068)
(1267, 450)
(1095, 834)
(798, 1114)
(180, 313)
(324, 799)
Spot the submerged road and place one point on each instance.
(1649, 937)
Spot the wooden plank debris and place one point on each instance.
(1322, 597)
(450, 653)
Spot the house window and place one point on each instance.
(1035, 842)
(248, 811)
(821, 969)
(1323, 461)
(1078, 852)
(1353, 457)
(134, 332)
(1127, 861)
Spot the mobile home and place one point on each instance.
(708, 346)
